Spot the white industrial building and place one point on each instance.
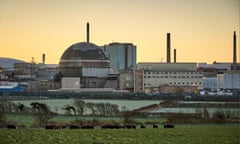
(170, 74)
(155, 78)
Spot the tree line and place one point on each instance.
(81, 108)
(43, 113)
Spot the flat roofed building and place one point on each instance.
(230, 80)
(170, 74)
(122, 56)
(168, 67)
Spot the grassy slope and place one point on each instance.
(188, 134)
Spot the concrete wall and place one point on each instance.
(70, 83)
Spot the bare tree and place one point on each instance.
(80, 106)
(101, 109)
(115, 109)
(92, 107)
(69, 109)
(2, 113)
(20, 107)
(42, 112)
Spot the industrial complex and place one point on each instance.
(113, 68)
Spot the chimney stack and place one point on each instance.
(88, 31)
(168, 47)
(234, 48)
(43, 58)
(175, 56)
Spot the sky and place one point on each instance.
(201, 30)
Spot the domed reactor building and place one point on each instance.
(84, 65)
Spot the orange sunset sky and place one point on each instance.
(201, 30)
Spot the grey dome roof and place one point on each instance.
(84, 50)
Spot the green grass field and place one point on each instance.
(181, 134)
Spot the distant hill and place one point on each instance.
(9, 62)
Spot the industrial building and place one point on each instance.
(122, 56)
(6, 86)
(170, 74)
(230, 80)
(87, 62)
(86, 67)
(210, 83)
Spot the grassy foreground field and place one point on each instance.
(183, 134)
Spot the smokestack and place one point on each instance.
(234, 48)
(168, 47)
(175, 56)
(43, 58)
(88, 31)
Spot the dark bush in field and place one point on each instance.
(130, 126)
(142, 126)
(11, 126)
(155, 126)
(50, 127)
(87, 127)
(168, 126)
(113, 126)
(74, 127)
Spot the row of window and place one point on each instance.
(173, 73)
(196, 77)
(179, 83)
